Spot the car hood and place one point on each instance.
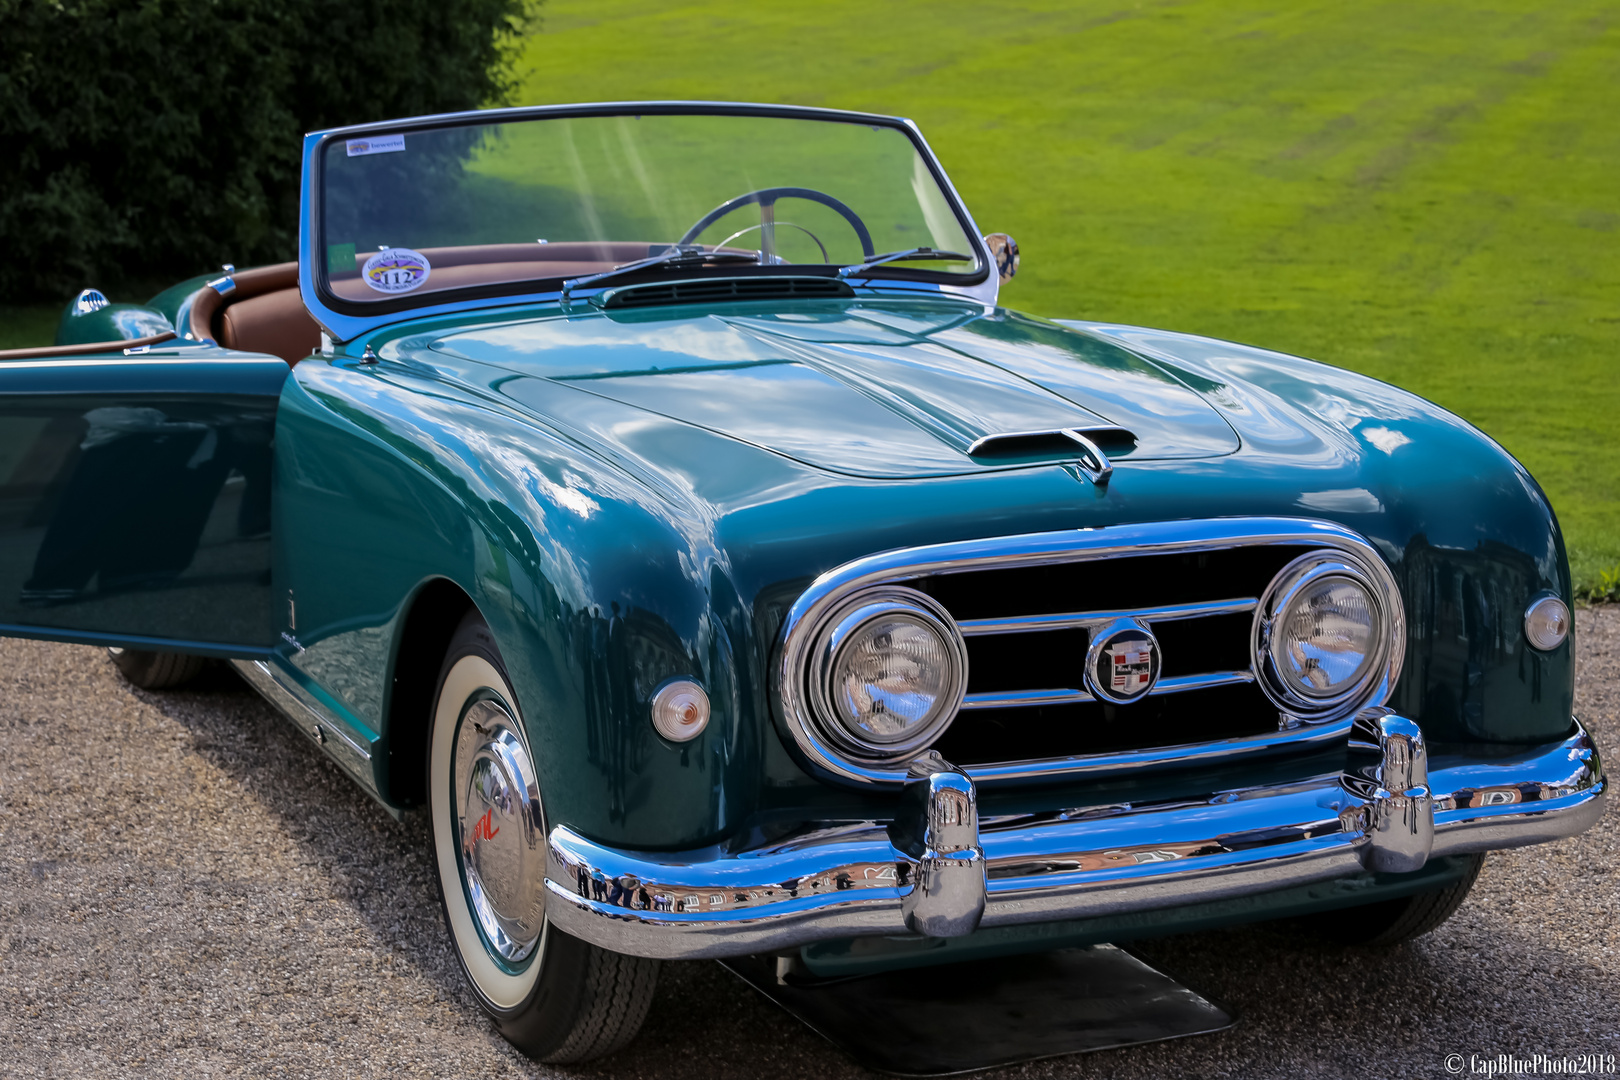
(871, 388)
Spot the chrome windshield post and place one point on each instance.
(938, 830)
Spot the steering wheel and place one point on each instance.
(762, 226)
(766, 198)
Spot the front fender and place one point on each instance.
(1470, 535)
(596, 587)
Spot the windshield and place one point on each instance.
(426, 211)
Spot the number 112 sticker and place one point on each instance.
(396, 270)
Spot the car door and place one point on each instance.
(135, 498)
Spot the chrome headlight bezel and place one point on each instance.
(1377, 675)
(836, 630)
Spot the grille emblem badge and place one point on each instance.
(1122, 664)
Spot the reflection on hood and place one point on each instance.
(880, 390)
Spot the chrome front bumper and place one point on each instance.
(939, 870)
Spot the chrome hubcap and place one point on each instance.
(500, 830)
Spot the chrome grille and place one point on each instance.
(1050, 612)
(1027, 607)
(1026, 701)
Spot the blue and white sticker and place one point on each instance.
(396, 270)
(377, 144)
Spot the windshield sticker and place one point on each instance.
(377, 144)
(396, 270)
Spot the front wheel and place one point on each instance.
(554, 997)
(1392, 922)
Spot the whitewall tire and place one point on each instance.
(555, 997)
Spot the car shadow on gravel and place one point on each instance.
(1328, 1010)
(378, 865)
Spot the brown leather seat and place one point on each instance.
(273, 322)
(265, 313)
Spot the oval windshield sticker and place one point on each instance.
(396, 270)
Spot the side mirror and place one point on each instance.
(1003, 249)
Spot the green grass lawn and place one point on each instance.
(1425, 192)
(25, 325)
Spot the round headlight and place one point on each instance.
(1546, 623)
(1327, 636)
(1325, 641)
(891, 675)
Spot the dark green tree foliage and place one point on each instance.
(143, 140)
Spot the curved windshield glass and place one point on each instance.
(422, 212)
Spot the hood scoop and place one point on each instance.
(1083, 443)
(722, 290)
(1022, 446)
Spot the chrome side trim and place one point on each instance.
(1014, 699)
(851, 879)
(1080, 620)
(345, 749)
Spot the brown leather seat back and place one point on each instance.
(273, 322)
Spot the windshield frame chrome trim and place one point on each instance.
(344, 321)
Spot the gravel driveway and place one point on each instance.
(188, 888)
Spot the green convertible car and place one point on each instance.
(658, 496)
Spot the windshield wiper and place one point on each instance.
(677, 255)
(901, 256)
